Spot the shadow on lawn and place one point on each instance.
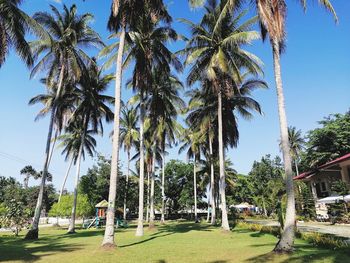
(13, 248)
(167, 230)
(305, 254)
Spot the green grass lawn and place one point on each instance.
(174, 242)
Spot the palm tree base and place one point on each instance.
(152, 227)
(32, 234)
(108, 246)
(283, 248)
(71, 232)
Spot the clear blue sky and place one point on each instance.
(316, 75)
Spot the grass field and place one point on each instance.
(174, 242)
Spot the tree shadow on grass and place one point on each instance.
(305, 254)
(13, 248)
(167, 230)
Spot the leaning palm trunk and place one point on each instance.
(139, 230)
(34, 231)
(151, 216)
(126, 186)
(285, 244)
(212, 184)
(53, 146)
(71, 228)
(65, 178)
(108, 240)
(162, 220)
(195, 189)
(222, 184)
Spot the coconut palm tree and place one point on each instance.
(272, 17)
(296, 144)
(61, 53)
(124, 15)
(28, 171)
(192, 141)
(129, 135)
(148, 50)
(14, 23)
(92, 108)
(164, 104)
(216, 48)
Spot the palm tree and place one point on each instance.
(62, 54)
(164, 103)
(14, 23)
(192, 141)
(272, 16)
(129, 135)
(124, 15)
(296, 144)
(92, 108)
(28, 171)
(148, 50)
(71, 141)
(215, 49)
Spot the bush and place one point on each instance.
(323, 240)
(317, 239)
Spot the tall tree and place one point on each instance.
(192, 141)
(214, 50)
(148, 50)
(129, 135)
(92, 108)
(164, 104)
(62, 56)
(124, 15)
(272, 17)
(28, 171)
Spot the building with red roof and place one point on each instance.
(320, 179)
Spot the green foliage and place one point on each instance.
(324, 240)
(14, 216)
(338, 212)
(328, 142)
(267, 184)
(179, 186)
(95, 185)
(305, 203)
(64, 207)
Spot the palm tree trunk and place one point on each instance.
(151, 216)
(195, 189)
(26, 181)
(285, 244)
(163, 188)
(208, 211)
(212, 184)
(34, 231)
(53, 146)
(108, 239)
(139, 230)
(71, 228)
(147, 201)
(296, 166)
(65, 179)
(126, 186)
(222, 184)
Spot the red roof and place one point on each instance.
(336, 161)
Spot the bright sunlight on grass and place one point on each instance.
(173, 242)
